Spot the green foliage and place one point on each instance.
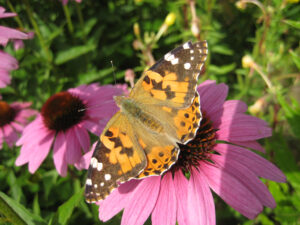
(75, 44)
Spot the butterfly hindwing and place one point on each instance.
(117, 158)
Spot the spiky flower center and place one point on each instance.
(197, 149)
(7, 113)
(62, 111)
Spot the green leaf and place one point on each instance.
(49, 180)
(219, 70)
(90, 77)
(293, 23)
(292, 114)
(16, 213)
(295, 58)
(65, 210)
(221, 50)
(72, 53)
(284, 158)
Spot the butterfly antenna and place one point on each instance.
(112, 65)
(95, 106)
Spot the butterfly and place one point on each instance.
(162, 110)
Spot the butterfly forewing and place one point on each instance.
(172, 80)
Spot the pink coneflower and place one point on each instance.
(7, 33)
(66, 1)
(13, 118)
(217, 159)
(18, 43)
(7, 62)
(64, 122)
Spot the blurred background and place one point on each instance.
(253, 48)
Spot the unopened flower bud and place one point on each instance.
(170, 19)
(240, 5)
(136, 29)
(247, 61)
(257, 106)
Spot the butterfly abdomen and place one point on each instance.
(129, 106)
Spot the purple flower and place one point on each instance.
(13, 118)
(7, 62)
(217, 159)
(66, 1)
(63, 124)
(7, 33)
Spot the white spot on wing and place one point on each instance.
(88, 181)
(107, 176)
(99, 166)
(174, 61)
(95, 185)
(192, 51)
(94, 162)
(192, 58)
(101, 184)
(187, 66)
(186, 45)
(169, 56)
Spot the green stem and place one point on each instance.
(17, 18)
(79, 14)
(68, 17)
(37, 31)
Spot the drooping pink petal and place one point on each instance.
(18, 44)
(86, 159)
(106, 110)
(234, 106)
(94, 127)
(59, 153)
(28, 149)
(181, 191)
(212, 96)
(247, 177)
(5, 78)
(3, 14)
(164, 211)
(83, 137)
(41, 151)
(8, 62)
(31, 131)
(10, 135)
(143, 200)
(260, 166)
(231, 190)
(251, 144)
(17, 127)
(229, 110)
(73, 149)
(242, 128)
(117, 200)
(7, 33)
(201, 207)
(1, 139)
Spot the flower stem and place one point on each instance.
(264, 76)
(17, 18)
(37, 31)
(68, 17)
(80, 16)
